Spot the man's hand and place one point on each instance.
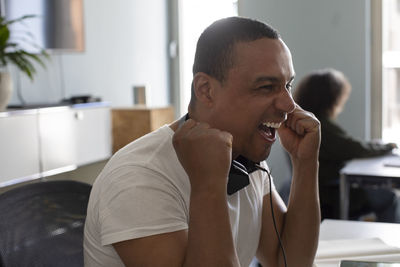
(300, 135)
(204, 153)
(298, 224)
(393, 145)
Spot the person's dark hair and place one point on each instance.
(320, 91)
(214, 52)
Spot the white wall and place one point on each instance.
(324, 33)
(125, 45)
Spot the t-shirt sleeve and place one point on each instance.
(139, 202)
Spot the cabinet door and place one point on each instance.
(19, 148)
(57, 140)
(93, 134)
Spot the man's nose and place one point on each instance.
(285, 102)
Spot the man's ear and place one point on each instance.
(203, 88)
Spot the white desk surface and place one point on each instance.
(373, 166)
(340, 229)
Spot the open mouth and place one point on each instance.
(268, 130)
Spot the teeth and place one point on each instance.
(275, 125)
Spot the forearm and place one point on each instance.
(206, 153)
(302, 220)
(341, 146)
(210, 241)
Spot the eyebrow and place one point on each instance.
(270, 79)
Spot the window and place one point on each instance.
(194, 17)
(391, 70)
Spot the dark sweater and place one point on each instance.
(337, 147)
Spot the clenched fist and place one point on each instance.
(301, 135)
(205, 154)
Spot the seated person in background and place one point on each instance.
(166, 199)
(325, 93)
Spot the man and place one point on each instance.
(162, 200)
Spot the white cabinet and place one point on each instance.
(19, 147)
(46, 141)
(57, 139)
(93, 134)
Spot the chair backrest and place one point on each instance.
(41, 224)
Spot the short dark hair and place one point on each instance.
(319, 91)
(214, 52)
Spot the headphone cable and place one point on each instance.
(273, 214)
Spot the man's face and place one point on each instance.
(255, 97)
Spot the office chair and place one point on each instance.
(41, 224)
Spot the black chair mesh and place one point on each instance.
(41, 224)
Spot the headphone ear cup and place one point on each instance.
(238, 177)
(238, 168)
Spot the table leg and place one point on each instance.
(344, 197)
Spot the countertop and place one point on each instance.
(38, 108)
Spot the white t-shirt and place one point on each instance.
(143, 190)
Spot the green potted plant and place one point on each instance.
(12, 53)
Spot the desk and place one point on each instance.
(341, 229)
(357, 240)
(366, 171)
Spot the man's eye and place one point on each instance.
(267, 87)
(289, 87)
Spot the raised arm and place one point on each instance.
(299, 223)
(205, 154)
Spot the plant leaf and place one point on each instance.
(34, 57)
(23, 64)
(8, 22)
(13, 52)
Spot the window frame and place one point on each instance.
(376, 70)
